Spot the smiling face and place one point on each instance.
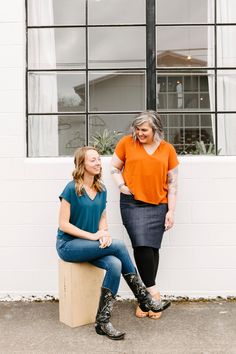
(144, 133)
(92, 163)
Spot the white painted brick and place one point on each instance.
(113, 193)
(48, 168)
(12, 123)
(116, 231)
(12, 146)
(197, 282)
(198, 167)
(11, 34)
(11, 101)
(28, 283)
(28, 236)
(31, 190)
(202, 257)
(12, 56)
(11, 79)
(113, 213)
(12, 11)
(183, 212)
(203, 235)
(11, 168)
(28, 258)
(29, 213)
(214, 212)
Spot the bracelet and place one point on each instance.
(121, 185)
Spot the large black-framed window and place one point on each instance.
(92, 65)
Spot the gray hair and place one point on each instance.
(153, 119)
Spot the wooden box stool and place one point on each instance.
(79, 292)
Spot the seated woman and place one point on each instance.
(83, 237)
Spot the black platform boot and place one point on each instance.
(103, 325)
(146, 302)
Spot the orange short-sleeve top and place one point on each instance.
(144, 174)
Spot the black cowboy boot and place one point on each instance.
(103, 325)
(146, 302)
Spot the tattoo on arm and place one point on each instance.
(115, 170)
(173, 181)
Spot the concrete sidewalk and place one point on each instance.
(185, 328)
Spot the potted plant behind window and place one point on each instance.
(105, 141)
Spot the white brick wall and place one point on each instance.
(198, 254)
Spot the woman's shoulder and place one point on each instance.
(70, 186)
(168, 146)
(127, 139)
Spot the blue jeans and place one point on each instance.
(115, 259)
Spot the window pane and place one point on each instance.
(226, 50)
(226, 84)
(117, 91)
(71, 134)
(226, 11)
(56, 12)
(106, 130)
(116, 11)
(42, 136)
(188, 133)
(117, 47)
(184, 11)
(178, 91)
(226, 134)
(57, 48)
(56, 92)
(185, 46)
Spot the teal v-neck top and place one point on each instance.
(85, 213)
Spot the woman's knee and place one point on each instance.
(119, 245)
(114, 265)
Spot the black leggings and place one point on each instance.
(147, 260)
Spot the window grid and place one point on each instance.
(151, 102)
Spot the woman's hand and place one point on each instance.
(169, 220)
(103, 237)
(125, 190)
(105, 240)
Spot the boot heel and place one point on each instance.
(99, 330)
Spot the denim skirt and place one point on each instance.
(144, 222)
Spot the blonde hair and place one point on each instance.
(153, 119)
(78, 173)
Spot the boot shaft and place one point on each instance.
(105, 306)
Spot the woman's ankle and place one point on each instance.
(152, 290)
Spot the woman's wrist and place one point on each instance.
(121, 185)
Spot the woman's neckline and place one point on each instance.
(151, 151)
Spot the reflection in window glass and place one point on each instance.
(189, 91)
(117, 91)
(56, 12)
(226, 134)
(187, 133)
(116, 12)
(117, 47)
(184, 46)
(71, 134)
(106, 130)
(184, 11)
(56, 92)
(56, 48)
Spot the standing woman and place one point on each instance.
(83, 236)
(144, 167)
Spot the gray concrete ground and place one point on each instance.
(185, 328)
